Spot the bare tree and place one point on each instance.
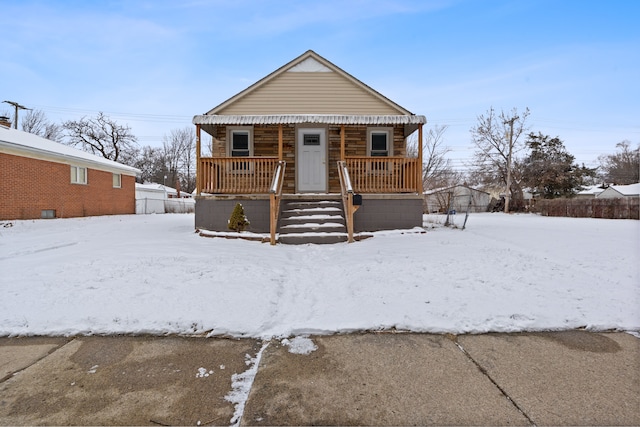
(178, 148)
(436, 168)
(151, 164)
(36, 122)
(497, 138)
(102, 136)
(622, 167)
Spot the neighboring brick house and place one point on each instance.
(40, 178)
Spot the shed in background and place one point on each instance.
(459, 198)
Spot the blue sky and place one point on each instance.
(154, 64)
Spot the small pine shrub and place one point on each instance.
(238, 220)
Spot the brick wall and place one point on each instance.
(28, 186)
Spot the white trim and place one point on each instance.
(309, 65)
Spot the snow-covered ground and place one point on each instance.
(154, 274)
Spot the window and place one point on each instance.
(380, 142)
(117, 180)
(240, 145)
(78, 175)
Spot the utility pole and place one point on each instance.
(18, 107)
(507, 196)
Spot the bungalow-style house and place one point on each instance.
(312, 154)
(40, 178)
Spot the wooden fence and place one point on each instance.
(620, 208)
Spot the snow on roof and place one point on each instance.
(628, 190)
(152, 186)
(332, 119)
(14, 140)
(591, 190)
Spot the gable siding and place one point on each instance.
(309, 93)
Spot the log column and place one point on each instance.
(342, 142)
(280, 141)
(198, 167)
(419, 171)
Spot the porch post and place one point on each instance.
(342, 142)
(419, 171)
(280, 141)
(198, 171)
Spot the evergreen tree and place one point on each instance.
(238, 220)
(550, 171)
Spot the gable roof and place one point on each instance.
(591, 190)
(625, 190)
(19, 143)
(309, 84)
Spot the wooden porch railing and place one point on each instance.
(346, 190)
(236, 175)
(275, 196)
(384, 174)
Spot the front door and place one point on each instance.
(312, 160)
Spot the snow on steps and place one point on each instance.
(312, 221)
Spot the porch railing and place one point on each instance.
(275, 196)
(236, 175)
(346, 190)
(384, 174)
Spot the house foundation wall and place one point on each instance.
(378, 212)
(213, 213)
(381, 212)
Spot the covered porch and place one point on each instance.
(260, 157)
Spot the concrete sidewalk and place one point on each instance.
(561, 378)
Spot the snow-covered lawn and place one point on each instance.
(154, 274)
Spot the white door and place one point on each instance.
(312, 160)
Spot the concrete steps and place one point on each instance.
(315, 221)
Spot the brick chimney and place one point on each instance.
(4, 121)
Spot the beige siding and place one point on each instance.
(309, 93)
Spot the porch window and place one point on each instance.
(78, 175)
(240, 145)
(379, 144)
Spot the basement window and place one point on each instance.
(78, 175)
(48, 213)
